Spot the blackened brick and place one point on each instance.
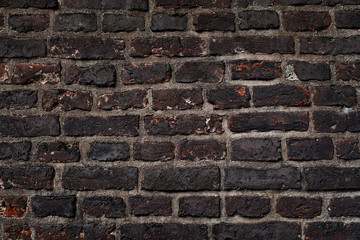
(146, 73)
(347, 71)
(61, 206)
(19, 151)
(109, 151)
(247, 206)
(199, 206)
(97, 75)
(214, 22)
(66, 100)
(207, 72)
(98, 206)
(348, 148)
(27, 73)
(75, 22)
(256, 149)
(194, 4)
(333, 121)
(311, 71)
(329, 230)
(255, 70)
(179, 99)
(150, 206)
(141, 5)
(1, 21)
(306, 21)
(123, 100)
(328, 45)
(166, 22)
(29, 23)
(344, 206)
(154, 151)
(229, 97)
(18, 99)
(299, 207)
(122, 23)
(59, 152)
(14, 231)
(22, 48)
(347, 19)
(195, 150)
(258, 20)
(13, 207)
(335, 95)
(42, 4)
(341, 2)
(310, 148)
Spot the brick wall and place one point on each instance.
(179, 119)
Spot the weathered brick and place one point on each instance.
(306, 21)
(331, 230)
(214, 22)
(27, 73)
(347, 71)
(59, 152)
(141, 5)
(229, 97)
(15, 231)
(334, 121)
(123, 100)
(146, 73)
(22, 48)
(311, 71)
(4, 73)
(264, 19)
(127, 125)
(347, 19)
(95, 177)
(342, 2)
(196, 150)
(18, 99)
(328, 45)
(199, 206)
(299, 207)
(153, 151)
(181, 179)
(194, 4)
(122, 23)
(66, 100)
(61, 206)
(109, 151)
(255, 70)
(247, 206)
(310, 148)
(256, 149)
(42, 4)
(28, 22)
(98, 206)
(344, 207)
(263, 3)
(166, 22)
(183, 125)
(150, 206)
(265, 121)
(97, 75)
(335, 95)
(13, 207)
(348, 148)
(207, 72)
(75, 22)
(179, 99)
(261, 179)
(2, 21)
(19, 151)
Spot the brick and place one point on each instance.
(266, 121)
(104, 126)
(163, 231)
(214, 22)
(58, 152)
(123, 100)
(263, 230)
(299, 207)
(334, 121)
(193, 4)
(27, 73)
(18, 177)
(13, 207)
(165, 22)
(342, 2)
(75, 22)
(335, 95)
(4, 73)
(109, 151)
(344, 207)
(42, 4)
(300, 149)
(328, 45)
(347, 71)
(153, 151)
(146, 73)
(348, 148)
(347, 19)
(255, 70)
(150, 206)
(183, 125)
(195, 150)
(28, 23)
(22, 48)
(122, 23)
(237, 178)
(256, 149)
(207, 72)
(329, 230)
(311, 71)
(98, 178)
(199, 206)
(66, 100)
(97, 75)
(18, 151)
(247, 206)
(167, 47)
(61, 206)
(141, 5)
(177, 99)
(261, 20)
(29, 126)
(86, 48)
(15, 231)
(1, 21)
(98, 206)
(299, 21)
(181, 179)
(18, 99)
(229, 97)
(332, 178)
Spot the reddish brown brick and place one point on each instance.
(196, 150)
(154, 151)
(26, 73)
(229, 97)
(29, 22)
(199, 206)
(256, 149)
(150, 206)
(98, 206)
(123, 100)
(177, 99)
(335, 95)
(97, 75)
(247, 206)
(306, 21)
(214, 22)
(299, 207)
(13, 207)
(59, 152)
(207, 72)
(146, 73)
(255, 70)
(347, 71)
(15, 231)
(348, 148)
(66, 100)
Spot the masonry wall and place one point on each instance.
(179, 119)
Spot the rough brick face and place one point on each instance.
(299, 207)
(179, 99)
(77, 22)
(27, 73)
(164, 22)
(18, 99)
(13, 207)
(344, 206)
(122, 23)
(215, 22)
(347, 19)
(150, 206)
(17, 232)
(255, 70)
(335, 96)
(59, 152)
(256, 149)
(146, 73)
(306, 21)
(310, 148)
(123, 100)
(348, 148)
(199, 207)
(202, 150)
(62, 206)
(247, 206)
(306, 71)
(66, 100)
(154, 151)
(22, 48)
(16, 151)
(109, 151)
(97, 75)
(347, 71)
(258, 20)
(207, 72)
(229, 97)
(98, 206)
(29, 23)
(328, 230)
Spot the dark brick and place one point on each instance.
(262, 179)
(86, 48)
(97, 75)
(59, 152)
(98, 178)
(196, 150)
(207, 72)
(98, 206)
(297, 2)
(348, 148)
(18, 99)
(177, 99)
(18, 151)
(123, 100)
(13, 207)
(150, 206)
(256, 149)
(306, 21)
(310, 148)
(61, 206)
(122, 23)
(199, 206)
(251, 19)
(344, 206)
(333, 121)
(255, 70)
(167, 47)
(331, 230)
(347, 71)
(281, 95)
(109, 151)
(75, 22)
(229, 97)
(183, 125)
(2, 21)
(181, 179)
(154, 151)
(18, 177)
(266, 121)
(263, 230)
(342, 2)
(27, 73)
(335, 95)
(14, 231)
(29, 126)
(66, 100)
(42, 4)
(166, 22)
(141, 5)
(127, 125)
(22, 48)
(28, 23)
(299, 207)
(247, 206)
(328, 45)
(348, 19)
(4, 75)
(214, 22)
(146, 73)
(311, 71)
(194, 4)
(163, 231)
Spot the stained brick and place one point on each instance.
(75, 22)
(311, 71)
(109, 151)
(229, 97)
(66, 100)
(26, 73)
(141, 5)
(59, 152)
(194, 4)
(255, 70)
(334, 121)
(328, 230)
(195, 150)
(22, 48)
(177, 99)
(97, 75)
(18, 99)
(347, 71)
(335, 95)
(207, 72)
(98, 206)
(13, 207)
(146, 73)
(328, 45)
(306, 21)
(42, 4)
(29, 23)
(299, 207)
(15, 231)
(348, 148)
(123, 100)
